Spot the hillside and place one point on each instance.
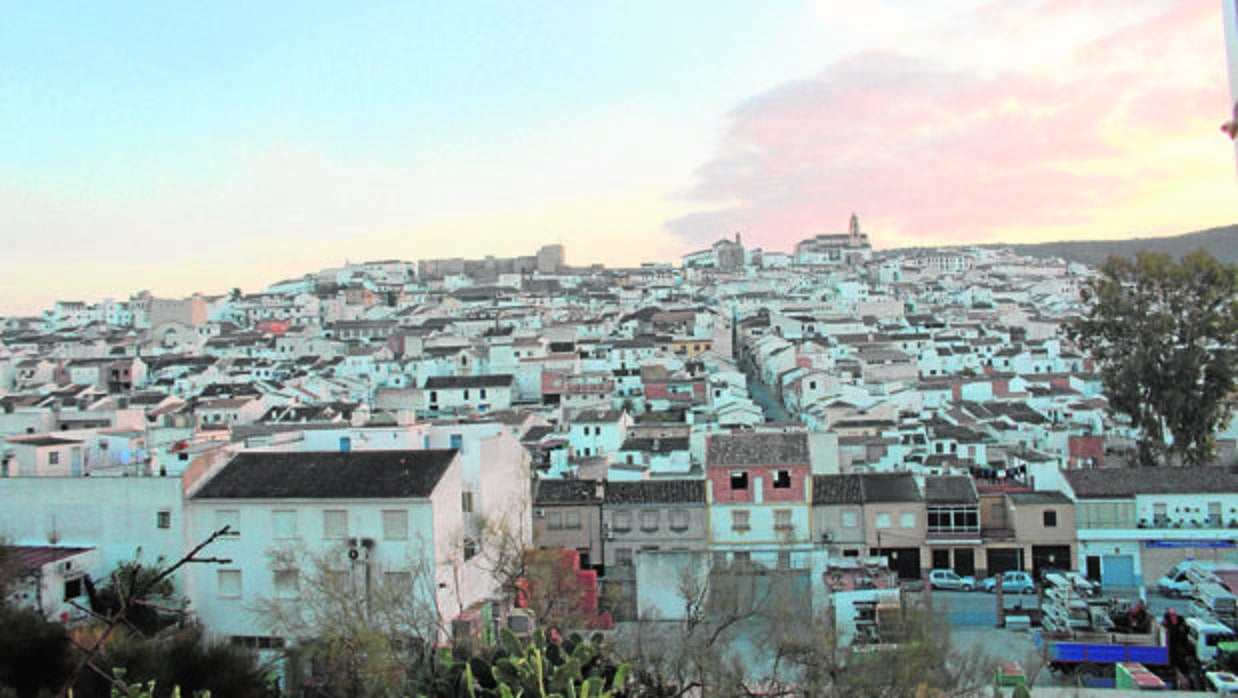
(1221, 243)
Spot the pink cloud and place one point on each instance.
(944, 153)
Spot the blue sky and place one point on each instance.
(188, 147)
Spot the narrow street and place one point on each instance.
(761, 394)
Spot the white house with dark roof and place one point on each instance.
(597, 432)
(449, 395)
(385, 517)
(1134, 523)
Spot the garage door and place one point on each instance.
(1117, 570)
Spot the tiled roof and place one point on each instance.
(664, 444)
(1045, 497)
(758, 449)
(1101, 483)
(500, 380)
(28, 557)
(567, 492)
(837, 489)
(656, 492)
(889, 487)
(329, 475)
(43, 441)
(950, 489)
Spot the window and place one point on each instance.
(623, 557)
(466, 393)
(398, 581)
(849, 519)
(962, 519)
(395, 524)
(622, 521)
(231, 518)
(1050, 518)
(482, 393)
(782, 519)
(1160, 513)
(457, 442)
(554, 520)
(469, 549)
(73, 588)
(649, 520)
(1214, 513)
(334, 524)
(907, 519)
(739, 480)
(466, 502)
(784, 560)
(883, 520)
(433, 396)
(228, 584)
(287, 584)
(571, 519)
(679, 520)
(163, 518)
(284, 521)
(739, 520)
(782, 480)
(53, 458)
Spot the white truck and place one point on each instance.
(1209, 585)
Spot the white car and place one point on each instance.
(949, 579)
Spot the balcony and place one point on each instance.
(996, 533)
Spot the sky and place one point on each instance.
(197, 147)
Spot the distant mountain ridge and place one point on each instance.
(1221, 243)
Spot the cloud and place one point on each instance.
(932, 149)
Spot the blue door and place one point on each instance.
(1117, 571)
(345, 443)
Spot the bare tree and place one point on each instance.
(358, 627)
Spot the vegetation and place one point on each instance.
(356, 632)
(1164, 334)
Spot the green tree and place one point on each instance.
(1163, 334)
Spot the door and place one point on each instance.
(965, 561)
(1004, 560)
(941, 558)
(1050, 557)
(1117, 571)
(1093, 571)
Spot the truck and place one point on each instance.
(1209, 585)
(1179, 651)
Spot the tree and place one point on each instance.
(358, 630)
(1163, 334)
(142, 591)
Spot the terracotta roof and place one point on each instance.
(889, 487)
(1103, 483)
(567, 492)
(837, 489)
(757, 449)
(329, 475)
(656, 492)
(500, 380)
(35, 556)
(950, 489)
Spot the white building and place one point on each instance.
(392, 517)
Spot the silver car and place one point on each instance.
(949, 579)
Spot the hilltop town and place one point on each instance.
(804, 411)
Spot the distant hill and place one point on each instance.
(1221, 243)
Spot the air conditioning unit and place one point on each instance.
(359, 548)
(539, 513)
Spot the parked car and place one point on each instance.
(1013, 582)
(949, 579)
